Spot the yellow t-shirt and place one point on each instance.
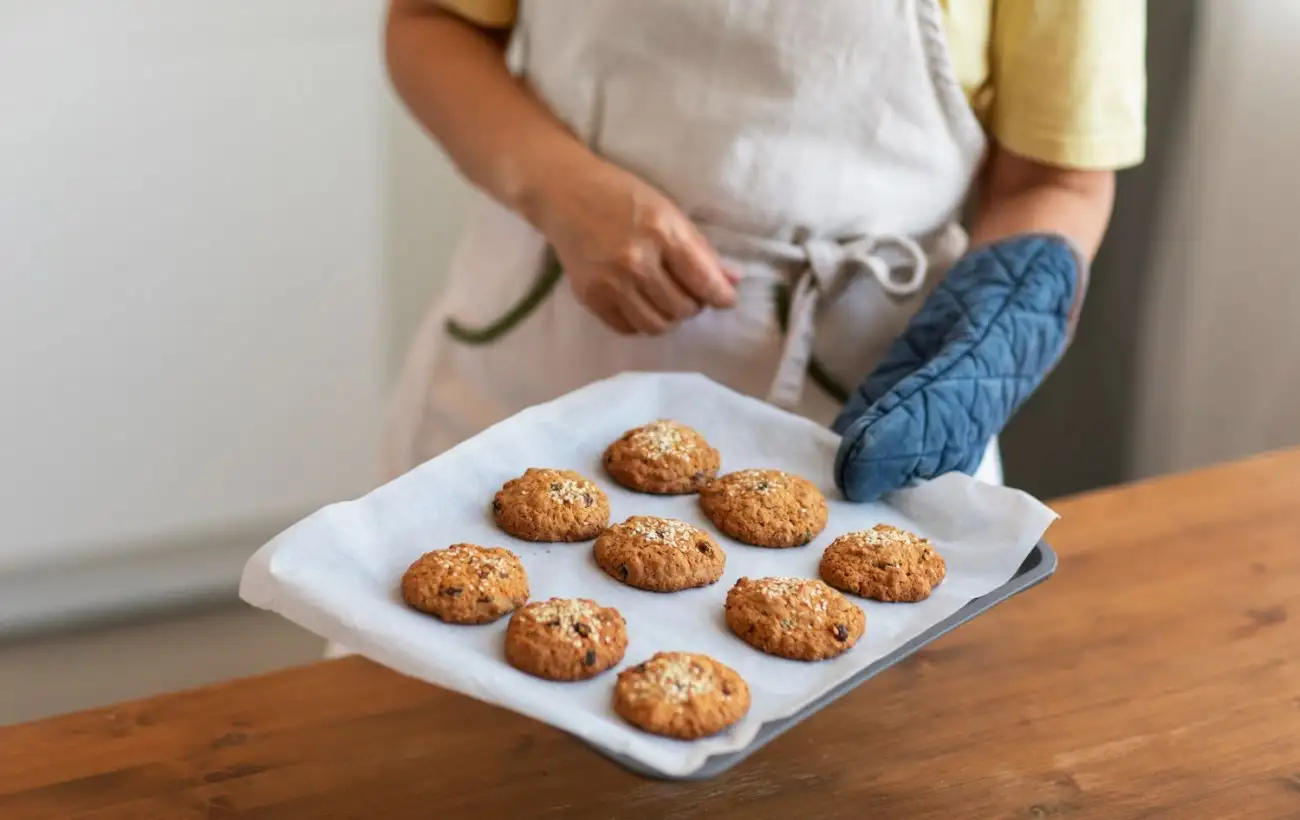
(1062, 82)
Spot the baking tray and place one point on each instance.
(1038, 566)
(333, 572)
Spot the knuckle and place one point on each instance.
(661, 224)
(637, 258)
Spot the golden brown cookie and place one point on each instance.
(681, 695)
(466, 584)
(662, 457)
(766, 508)
(797, 618)
(551, 505)
(565, 639)
(884, 563)
(659, 554)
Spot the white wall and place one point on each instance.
(426, 204)
(194, 327)
(1222, 355)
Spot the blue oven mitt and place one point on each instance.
(980, 345)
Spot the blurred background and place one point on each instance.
(218, 231)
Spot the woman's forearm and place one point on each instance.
(1020, 196)
(453, 78)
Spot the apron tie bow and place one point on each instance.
(825, 266)
(897, 263)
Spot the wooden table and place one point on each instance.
(1156, 676)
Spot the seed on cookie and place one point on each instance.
(551, 505)
(797, 618)
(466, 583)
(681, 695)
(664, 457)
(565, 639)
(884, 563)
(766, 508)
(659, 554)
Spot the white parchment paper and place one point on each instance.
(337, 572)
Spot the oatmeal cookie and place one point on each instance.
(766, 508)
(884, 563)
(551, 505)
(659, 554)
(466, 583)
(565, 639)
(796, 618)
(681, 695)
(663, 457)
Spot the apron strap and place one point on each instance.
(898, 264)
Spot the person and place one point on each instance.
(770, 193)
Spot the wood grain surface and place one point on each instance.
(1156, 676)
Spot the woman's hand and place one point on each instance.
(632, 257)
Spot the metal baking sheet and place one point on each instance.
(1037, 567)
(335, 572)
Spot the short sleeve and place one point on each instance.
(486, 13)
(1069, 81)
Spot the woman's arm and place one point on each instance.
(632, 257)
(981, 345)
(1020, 196)
(453, 78)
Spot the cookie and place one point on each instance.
(466, 584)
(551, 505)
(884, 563)
(663, 457)
(659, 554)
(681, 695)
(766, 508)
(797, 618)
(565, 639)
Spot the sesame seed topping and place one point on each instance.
(756, 481)
(801, 589)
(574, 620)
(889, 546)
(883, 535)
(662, 530)
(569, 491)
(673, 677)
(805, 593)
(661, 438)
(475, 559)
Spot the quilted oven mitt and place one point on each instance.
(978, 348)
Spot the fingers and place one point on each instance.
(605, 307)
(641, 314)
(647, 296)
(695, 266)
(660, 289)
(626, 312)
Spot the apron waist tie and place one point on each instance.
(898, 264)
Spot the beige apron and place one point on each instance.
(825, 148)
